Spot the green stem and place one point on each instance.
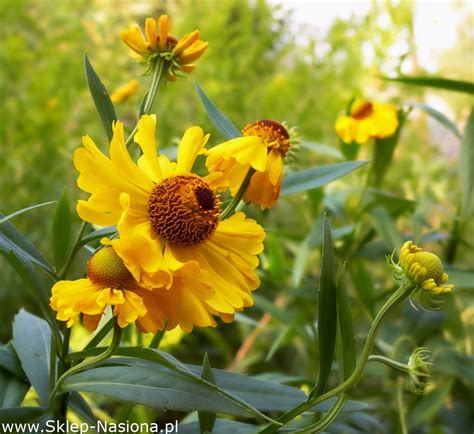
(240, 194)
(88, 362)
(398, 366)
(156, 79)
(155, 342)
(328, 419)
(396, 298)
(401, 407)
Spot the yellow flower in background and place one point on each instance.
(108, 282)
(367, 121)
(424, 269)
(263, 146)
(168, 221)
(157, 41)
(125, 91)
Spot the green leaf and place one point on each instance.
(207, 419)
(437, 82)
(429, 405)
(437, 115)
(218, 119)
(327, 311)
(149, 383)
(81, 408)
(318, 176)
(346, 326)
(154, 387)
(383, 153)
(61, 230)
(22, 414)
(466, 167)
(101, 98)
(9, 361)
(385, 227)
(12, 390)
(159, 358)
(97, 235)
(11, 239)
(32, 341)
(23, 210)
(322, 149)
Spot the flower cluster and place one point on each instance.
(178, 258)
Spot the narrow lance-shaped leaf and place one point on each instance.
(437, 82)
(440, 117)
(101, 98)
(218, 119)
(12, 240)
(318, 176)
(23, 210)
(61, 230)
(466, 167)
(207, 419)
(327, 311)
(346, 326)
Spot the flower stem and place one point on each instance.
(398, 366)
(156, 79)
(240, 194)
(328, 419)
(117, 337)
(396, 298)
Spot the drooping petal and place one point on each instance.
(190, 147)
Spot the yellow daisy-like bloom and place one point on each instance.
(367, 121)
(158, 42)
(424, 269)
(262, 148)
(125, 91)
(108, 282)
(170, 233)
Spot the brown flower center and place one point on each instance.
(271, 132)
(361, 109)
(106, 270)
(184, 210)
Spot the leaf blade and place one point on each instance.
(436, 82)
(101, 98)
(318, 176)
(61, 230)
(218, 119)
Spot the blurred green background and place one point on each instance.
(263, 61)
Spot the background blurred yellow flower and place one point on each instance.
(125, 91)
(367, 121)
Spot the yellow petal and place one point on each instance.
(189, 148)
(145, 137)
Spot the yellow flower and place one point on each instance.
(108, 282)
(171, 237)
(263, 146)
(124, 92)
(179, 54)
(424, 269)
(367, 120)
